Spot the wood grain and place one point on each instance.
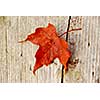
(17, 60)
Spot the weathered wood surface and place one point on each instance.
(17, 60)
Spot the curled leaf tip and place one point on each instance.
(34, 72)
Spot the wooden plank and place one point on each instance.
(3, 50)
(17, 60)
(86, 49)
(13, 50)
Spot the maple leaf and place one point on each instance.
(51, 46)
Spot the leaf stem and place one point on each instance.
(62, 76)
(71, 31)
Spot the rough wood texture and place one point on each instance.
(17, 60)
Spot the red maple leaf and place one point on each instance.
(51, 46)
